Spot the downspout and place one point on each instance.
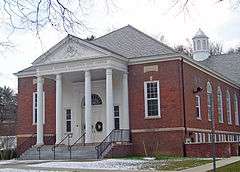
(184, 110)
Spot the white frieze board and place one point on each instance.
(71, 49)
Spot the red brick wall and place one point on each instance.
(7, 128)
(25, 107)
(169, 76)
(170, 95)
(120, 150)
(194, 78)
(205, 150)
(156, 143)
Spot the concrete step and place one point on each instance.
(61, 153)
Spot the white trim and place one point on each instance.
(146, 99)
(33, 108)
(198, 105)
(149, 130)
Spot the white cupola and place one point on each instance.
(200, 46)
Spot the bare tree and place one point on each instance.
(215, 48)
(184, 49)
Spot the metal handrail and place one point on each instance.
(70, 146)
(68, 136)
(40, 147)
(27, 140)
(111, 138)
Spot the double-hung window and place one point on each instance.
(236, 109)
(152, 99)
(35, 107)
(198, 107)
(116, 118)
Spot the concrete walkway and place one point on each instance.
(209, 166)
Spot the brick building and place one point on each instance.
(126, 80)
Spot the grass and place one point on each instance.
(164, 162)
(181, 165)
(234, 167)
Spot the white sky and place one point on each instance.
(220, 21)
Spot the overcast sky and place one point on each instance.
(219, 21)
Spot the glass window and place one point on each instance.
(209, 101)
(198, 107)
(198, 45)
(228, 103)
(204, 44)
(152, 102)
(96, 100)
(236, 109)
(220, 105)
(116, 118)
(68, 120)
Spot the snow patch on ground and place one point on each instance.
(3, 162)
(113, 164)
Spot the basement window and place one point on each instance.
(152, 99)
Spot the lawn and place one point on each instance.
(175, 163)
(234, 167)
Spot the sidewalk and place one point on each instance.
(209, 166)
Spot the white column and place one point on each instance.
(125, 109)
(59, 117)
(88, 107)
(109, 102)
(39, 111)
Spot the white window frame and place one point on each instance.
(235, 101)
(220, 105)
(210, 100)
(34, 107)
(198, 105)
(229, 110)
(146, 99)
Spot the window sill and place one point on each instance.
(199, 119)
(220, 122)
(152, 117)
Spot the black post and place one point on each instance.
(213, 137)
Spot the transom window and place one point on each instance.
(220, 105)
(96, 100)
(152, 100)
(35, 107)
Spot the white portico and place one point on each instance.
(91, 90)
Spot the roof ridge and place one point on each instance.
(110, 32)
(152, 38)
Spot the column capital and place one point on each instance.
(87, 73)
(109, 71)
(58, 76)
(40, 79)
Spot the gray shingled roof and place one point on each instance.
(226, 64)
(130, 42)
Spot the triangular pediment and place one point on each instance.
(71, 48)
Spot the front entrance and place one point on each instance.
(98, 118)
